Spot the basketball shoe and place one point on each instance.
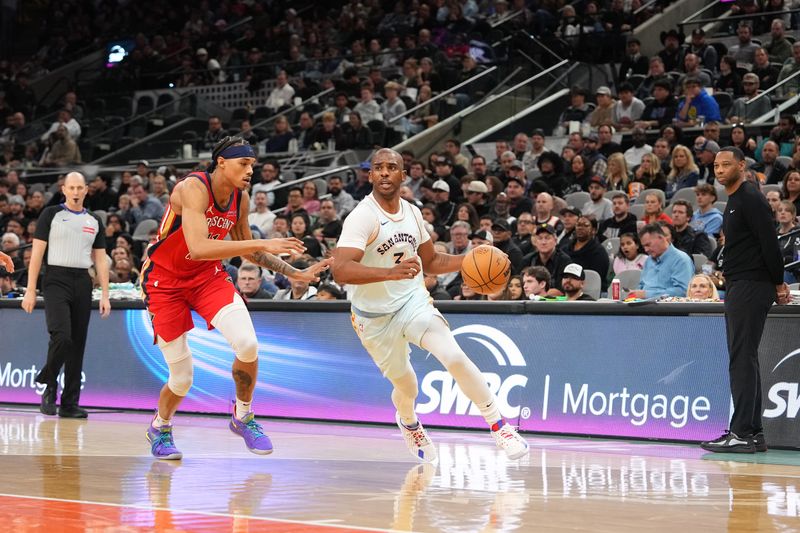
(510, 441)
(760, 442)
(730, 442)
(417, 440)
(161, 444)
(252, 433)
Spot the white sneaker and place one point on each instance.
(510, 441)
(418, 442)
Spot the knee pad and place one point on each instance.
(179, 359)
(235, 324)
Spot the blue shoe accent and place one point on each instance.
(252, 433)
(161, 444)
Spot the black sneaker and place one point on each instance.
(72, 411)
(48, 406)
(730, 442)
(760, 442)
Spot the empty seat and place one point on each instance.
(592, 285)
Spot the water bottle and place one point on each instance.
(616, 289)
(187, 151)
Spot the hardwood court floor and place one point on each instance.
(97, 475)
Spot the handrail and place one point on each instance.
(442, 94)
(516, 116)
(740, 17)
(143, 140)
(304, 179)
(295, 106)
(139, 117)
(511, 15)
(709, 6)
(514, 88)
(776, 112)
(767, 91)
(645, 6)
(541, 45)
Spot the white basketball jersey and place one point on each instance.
(387, 239)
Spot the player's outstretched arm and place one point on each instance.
(265, 256)
(434, 262)
(347, 269)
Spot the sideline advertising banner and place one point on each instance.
(662, 377)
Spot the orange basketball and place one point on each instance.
(486, 269)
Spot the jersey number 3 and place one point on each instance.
(398, 258)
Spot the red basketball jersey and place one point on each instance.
(170, 251)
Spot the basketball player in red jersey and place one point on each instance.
(183, 273)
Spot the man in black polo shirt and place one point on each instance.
(753, 268)
(73, 239)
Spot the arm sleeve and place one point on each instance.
(43, 223)
(358, 230)
(681, 275)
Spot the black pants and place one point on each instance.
(746, 306)
(67, 307)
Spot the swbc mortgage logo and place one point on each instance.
(445, 396)
(784, 396)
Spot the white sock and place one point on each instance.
(242, 408)
(158, 422)
(490, 412)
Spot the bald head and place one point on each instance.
(74, 177)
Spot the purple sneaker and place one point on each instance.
(161, 444)
(252, 433)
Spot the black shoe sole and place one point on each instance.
(729, 449)
(72, 414)
(761, 448)
(49, 412)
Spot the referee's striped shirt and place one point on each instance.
(70, 236)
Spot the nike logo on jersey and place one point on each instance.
(731, 211)
(384, 222)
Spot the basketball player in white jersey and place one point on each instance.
(383, 251)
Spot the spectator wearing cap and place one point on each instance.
(741, 113)
(706, 218)
(547, 254)
(628, 109)
(695, 104)
(587, 251)
(661, 109)
(214, 134)
(481, 237)
(572, 283)
(478, 197)
(501, 235)
(443, 170)
(672, 53)
(578, 111)
(667, 270)
(531, 158)
(633, 62)
(551, 174)
(569, 218)
(518, 202)
(706, 53)
(770, 165)
(605, 141)
(361, 187)
(591, 150)
(655, 72)
(598, 205)
(282, 95)
(686, 238)
(744, 51)
(705, 151)
(779, 47)
(691, 68)
(622, 221)
(444, 207)
(604, 112)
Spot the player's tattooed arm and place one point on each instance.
(273, 263)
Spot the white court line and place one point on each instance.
(322, 523)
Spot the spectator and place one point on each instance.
(544, 212)
(790, 188)
(356, 135)
(767, 73)
(453, 148)
(633, 155)
(547, 254)
(300, 229)
(342, 200)
(711, 131)
(144, 206)
(672, 53)
(769, 165)
(361, 187)
(740, 112)
(606, 144)
(246, 132)
(649, 174)
(740, 140)
(667, 270)
(340, 109)
(214, 134)
(281, 136)
(63, 150)
(520, 145)
(617, 175)
(604, 112)
(329, 222)
(596, 160)
(696, 104)
(393, 107)
(367, 107)
(569, 217)
(683, 171)
(623, 220)
(598, 205)
(587, 251)
(501, 239)
(445, 209)
(327, 291)
(478, 167)
(300, 290)
(65, 119)
(790, 66)
(656, 72)
(633, 62)
(701, 287)
(515, 191)
(691, 68)
(706, 53)
(579, 176)
(654, 209)
(687, 239)
(531, 158)
(269, 180)
(661, 110)
(728, 80)
(328, 135)
(443, 170)
(572, 283)
(248, 281)
(282, 95)
(295, 203)
(305, 133)
(535, 282)
(524, 236)
(707, 218)
(578, 111)
(123, 272)
(435, 290)
(466, 213)
(744, 51)
(779, 47)
(496, 166)
(705, 151)
(630, 255)
(261, 217)
(104, 197)
(774, 200)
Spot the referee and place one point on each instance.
(752, 264)
(73, 238)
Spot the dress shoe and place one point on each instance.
(72, 411)
(48, 406)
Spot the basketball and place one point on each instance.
(486, 269)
